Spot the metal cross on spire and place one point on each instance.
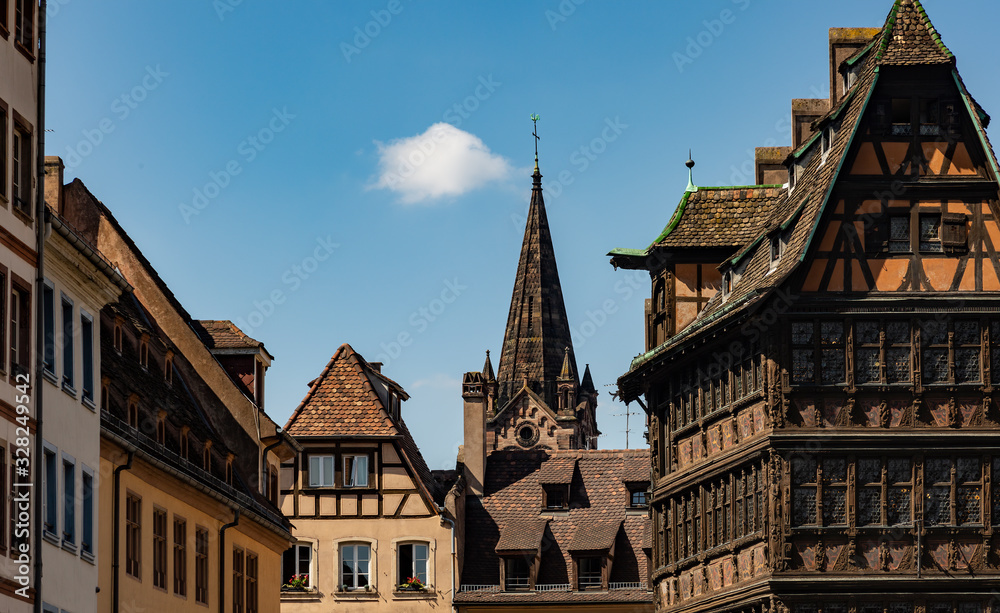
(534, 120)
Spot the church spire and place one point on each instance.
(537, 333)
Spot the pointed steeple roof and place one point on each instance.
(567, 373)
(488, 369)
(587, 384)
(909, 38)
(537, 327)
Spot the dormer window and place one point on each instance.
(229, 470)
(144, 351)
(556, 497)
(590, 574)
(168, 368)
(791, 177)
(106, 394)
(727, 284)
(133, 413)
(638, 497)
(161, 429)
(517, 574)
(118, 335)
(206, 457)
(185, 443)
(777, 247)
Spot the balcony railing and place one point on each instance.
(628, 586)
(479, 588)
(553, 587)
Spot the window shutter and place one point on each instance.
(954, 232)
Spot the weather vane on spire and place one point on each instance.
(534, 120)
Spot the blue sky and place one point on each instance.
(265, 156)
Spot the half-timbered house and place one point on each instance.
(371, 525)
(825, 429)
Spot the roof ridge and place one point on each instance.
(892, 21)
(315, 384)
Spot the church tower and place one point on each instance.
(538, 400)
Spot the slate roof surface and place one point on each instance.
(534, 344)
(599, 499)
(343, 402)
(907, 35)
(719, 216)
(223, 334)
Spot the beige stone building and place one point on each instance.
(78, 283)
(368, 517)
(189, 458)
(19, 131)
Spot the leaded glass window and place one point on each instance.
(804, 483)
(967, 350)
(834, 491)
(868, 356)
(900, 607)
(930, 235)
(899, 234)
(934, 337)
(869, 475)
(968, 497)
(803, 352)
(832, 351)
(995, 352)
(740, 499)
(996, 491)
(897, 354)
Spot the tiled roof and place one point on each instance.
(342, 401)
(522, 536)
(598, 498)
(223, 334)
(719, 216)
(909, 38)
(801, 210)
(557, 470)
(598, 536)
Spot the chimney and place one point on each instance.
(473, 454)
(768, 166)
(804, 112)
(54, 168)
(845, 42)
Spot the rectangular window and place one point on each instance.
(412, 563)
(180, 557)
(24, 24)
(3, 507)
(804, 486)
(354, 561)
(899, 234)
(3, 120)
(321, 471)
(867, 353)
(934, 353)
(133, 535)
(252, 597)
(930, 233)
(87, 540)
(201, 565)
(21, 167)
(69, 502)
(51, 495)
(356, 471)
(238, 580)
(67, 343)
(20, 329)
(516, 574)
(87, 347)
(555, 496)
(160, 549)
(49, 321)
(639, 498)
(834, 492)
(590, 573)
(296, 564)
(967, 347)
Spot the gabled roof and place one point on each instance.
(224, 334)
(597, 519)
(343, 402)
(799, 212)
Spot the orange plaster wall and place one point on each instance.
(811, 284)
(889, 274)
(832, 229)
(686, 280)
(858, 282)
(940, 272)
(866, 163)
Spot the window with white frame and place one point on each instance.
(411, 563)
(296, 566)
(355, 566)
(67, 343)
(87, 347)
(356, 471)
(321, 471)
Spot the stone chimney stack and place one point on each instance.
(473, 454)
(54, 169)
(845, 42)
(804, 112)
(768, 165)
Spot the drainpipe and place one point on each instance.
(263, 463)
(453, 559)
(222, 559)
(116, 530)
(39, 308)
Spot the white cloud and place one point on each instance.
(443, 161)
(438, 381)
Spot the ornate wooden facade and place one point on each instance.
(826, 432)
